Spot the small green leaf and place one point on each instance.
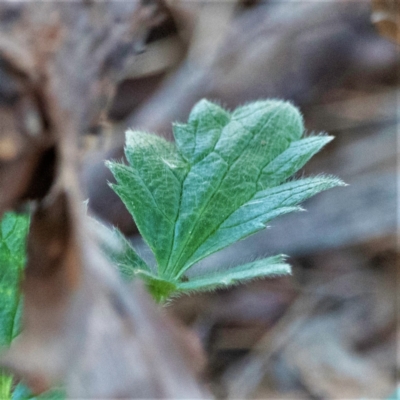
(223, 181)
(13, 232)
(268, 267)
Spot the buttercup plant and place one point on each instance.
(224, 178)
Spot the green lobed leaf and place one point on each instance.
(223, 181)
(268, 267)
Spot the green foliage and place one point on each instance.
(13, 232)
(222, 181)
(21, 392)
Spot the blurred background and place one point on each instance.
(328, 331)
